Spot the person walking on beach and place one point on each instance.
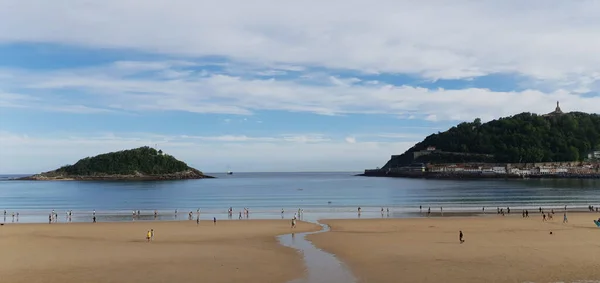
(543, 216)
(240, 215)
(152, 234)
(460, 237)
(198, 220)
(428, 211)
(565, 220)
(293, 223)
(148, 236)
(526, 213)
(420, 209)
(94, 219)
(508, 210)
(215, 221)
(49, 218)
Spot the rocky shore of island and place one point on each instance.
(55, 176)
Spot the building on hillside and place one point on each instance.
(557, 111)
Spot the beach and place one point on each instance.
(181, 251)
(496, 248)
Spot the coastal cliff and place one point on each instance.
(139, 164)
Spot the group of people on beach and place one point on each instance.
(297, 215)
(13, 216)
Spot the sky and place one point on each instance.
(270, 85)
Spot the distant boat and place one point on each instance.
(229, 173)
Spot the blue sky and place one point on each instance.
(293, 91)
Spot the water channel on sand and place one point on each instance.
(320, 266)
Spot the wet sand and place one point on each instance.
(231, 251)
(496, 248)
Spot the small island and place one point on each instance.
(526, 145)
(139, 164)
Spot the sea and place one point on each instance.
(265, 195)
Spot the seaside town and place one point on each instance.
(589, 168)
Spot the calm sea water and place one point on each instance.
(320, 195)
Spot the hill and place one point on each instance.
(144, 163)
(522, 138)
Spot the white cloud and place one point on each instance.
(100, 89)
(32, 154)
(549, 40)
(402, 136)
(350, 139)
(13, 100)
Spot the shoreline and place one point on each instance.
(436, 176)
(39, 217)
(122, 178)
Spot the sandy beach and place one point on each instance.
(496, 248)
(231, 251)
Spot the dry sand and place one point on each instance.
(497, 249)
(232, 251)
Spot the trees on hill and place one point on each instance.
(525, 137)
(144, 160)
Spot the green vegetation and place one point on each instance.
(522, 138)
(144, 160)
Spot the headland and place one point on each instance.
(139, 164)
(526, 145)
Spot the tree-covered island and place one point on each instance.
(143, 163)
